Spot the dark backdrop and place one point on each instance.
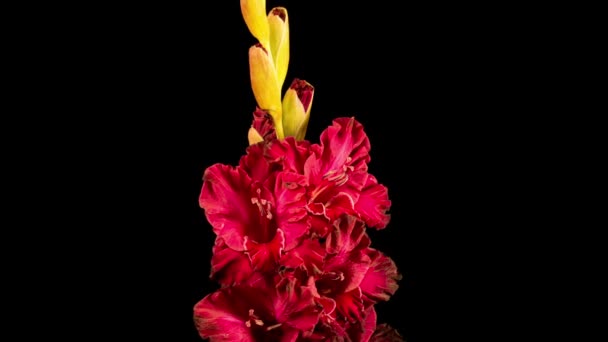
(171, 96)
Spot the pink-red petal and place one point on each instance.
(256, 165)
(362, 331)
(344, 146)
(289, 153)
(265, 256)
(291, 214)
(348, 235)
(335, 197)
(226, 199)
(350, 305)
(373, 204)
(380, 281)
(229, 267)
(309, 255)
(295, 305)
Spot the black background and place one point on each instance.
(162, 92)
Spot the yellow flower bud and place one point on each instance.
(279, 41)
(254, 13)
(265, 85)
(296, 108)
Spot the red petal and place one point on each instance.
(350, 305)
(228, 266)
(327, 304)
(265, 256)
(320, 226)
(291, 214)
(309, 255)
(337, 197)
(296, 306)
(227, 203)
(348, 235)
(289, 153)
(255, 165)
(340, 204)
(362, 331)
(344, 146)
(380, 281)
(385, 333)
(373, 204)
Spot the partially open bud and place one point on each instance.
(254, 13)
(296, 108)
(262, 128)
(265, 85)
(279, 41)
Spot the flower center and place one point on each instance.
(253, 319)
(256, 323)
(331, 180)
(262, 226)
(339, 175)
(264, 205)
(329, 283)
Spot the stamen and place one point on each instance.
(264, 205)
(254, 318)
(273, 326)
(343, 180)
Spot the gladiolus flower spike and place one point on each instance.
(291, 252)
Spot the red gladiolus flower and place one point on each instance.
(255, 209)
(291, 252)
(257, 311)
(344, 269)
(336, 175)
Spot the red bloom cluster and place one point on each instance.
(291, 252)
